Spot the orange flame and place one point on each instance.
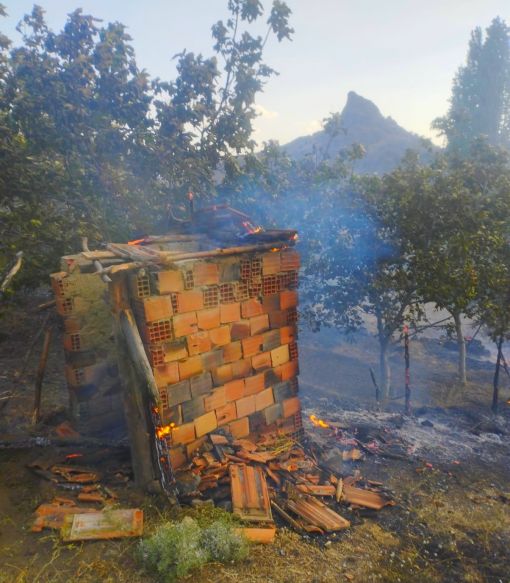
(71, 456)
(165, 430)
(318, 422)
(136, 241)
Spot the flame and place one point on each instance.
(294, 237)
(136, 241)
(190, 195)
(318, 422)
(164, 430)
(73, 455)
(251, 229)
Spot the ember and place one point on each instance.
(318, 422)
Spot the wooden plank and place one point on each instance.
(250, 496)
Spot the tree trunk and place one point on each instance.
(495, 394)
(384, 369)
(461, 344)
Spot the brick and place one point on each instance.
(216, 399)
(254, 384)
(264, 399)
(280, 355)
(190, 367)
(172, 415)
(184, 324)
(230, 312)
(241, 368)
(261, 361)
(177, 457)
(230, 270)
(205, 424)
(239, 428)
(166, 374)
(288, 370)
(226, 414)
(288, 299)
(245, 406)
(288, 334)
(240, 330)
(234, 390)
(290, 260)
(212, 359)
(190, 301)
(271, 303)
(174, 351)
(270, 378)
(209, 318)
(157, 308)
(282, 391)
(278, 319)
(183, 434)
(206, 273)
(291, 406)
(178, 393)
(232, 352)
(192, 447)
(220, 336)
(270, 263)
(272, 413)
(251, 308)
(271, 340)
(169, 281)
(201, 384)
(252, 345)
(257, 421)
(198, 343)
(192, 409)
(223, 374)
(259, 324)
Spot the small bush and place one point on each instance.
(176, 548)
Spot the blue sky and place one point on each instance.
(401, 54)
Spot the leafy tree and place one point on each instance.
(102, 150)
(480, 101)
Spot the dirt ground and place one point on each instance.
(451, 521)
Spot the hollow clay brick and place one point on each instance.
(157, 308)
(190, 367)
(200, 384)
(198, 343)
(205, 424)
(183, 434)
(220, 336)
(216, 399)
(239, 428)
(226, 414)
(169, 281)
(245, 406)
(288, 334)
(241, 368)
(240, 330)
(259, 324)
(190, 301)
(209, 318)
(252, 345)
(234, 390)
(290, 406)
(261, 361)
(223, 374)
(264, 399)
(184, 324)
(166, 374)
(251, 308)
(206, 273)
(230, 313)
(280, 355)
(178, 393)
(288, 299)
(232, 352)
(254, 384)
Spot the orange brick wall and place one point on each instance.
(221, 337)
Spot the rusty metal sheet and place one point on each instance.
(250, 497)
(317, 514)
(103, 525)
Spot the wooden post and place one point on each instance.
(41, 369)
(495, 393)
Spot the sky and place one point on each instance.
(401, 54)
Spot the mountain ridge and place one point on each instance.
(361, 122)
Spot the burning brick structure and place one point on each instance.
(218, 326)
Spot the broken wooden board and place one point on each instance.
(103, 525)
(315, 513)
(250, 497)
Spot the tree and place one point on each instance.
(480, 101)
(102, 150)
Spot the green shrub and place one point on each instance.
(176, 548)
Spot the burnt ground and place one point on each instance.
(451, 521)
